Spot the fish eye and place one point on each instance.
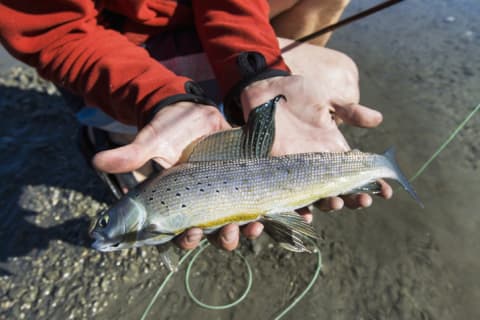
(103, 221)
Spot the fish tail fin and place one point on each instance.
(399, 176)
(290, 231)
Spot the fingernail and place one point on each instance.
(194, 236)
(229, 236)
(256, 232)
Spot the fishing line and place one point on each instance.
(204, 245)
(444, 145)
(164, 283)
(309, 286)
(219, 307)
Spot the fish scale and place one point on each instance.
(230, 176)
(196, 193)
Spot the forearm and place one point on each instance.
(63, 41)
(231, 31)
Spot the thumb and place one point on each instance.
(358, 115)
(123, 159)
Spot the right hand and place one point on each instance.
(171, 130)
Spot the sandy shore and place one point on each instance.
(419, 64)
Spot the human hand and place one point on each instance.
(171, 130)
(325, 95)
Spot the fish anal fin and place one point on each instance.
(371, 187)
(290, 231)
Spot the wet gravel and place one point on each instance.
(393, 261)
(48, 270)
(49, 196)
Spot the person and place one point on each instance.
(119, 56)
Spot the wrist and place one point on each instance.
(259, 92)
(193, 94)
(254, 69)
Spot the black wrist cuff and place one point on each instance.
(253, 67)
(193, 93)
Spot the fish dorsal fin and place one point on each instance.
(259, 132)
(254, 140)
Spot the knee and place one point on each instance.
(341, 3)
(330, 5)
(280, 6)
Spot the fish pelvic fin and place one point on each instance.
(169, 257)
(389, 155)
(254, 140)
(290, 231)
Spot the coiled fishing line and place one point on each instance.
(204, 245)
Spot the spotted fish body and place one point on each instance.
(239, 183)
(211, 194)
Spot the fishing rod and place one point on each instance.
(342, 23)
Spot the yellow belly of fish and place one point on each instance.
(235, 218)
(285, 202)
(313, 193)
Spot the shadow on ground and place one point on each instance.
(38, 157)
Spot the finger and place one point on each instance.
(359, 200)
(123, 159)
(227, 238)
(329, 204)
(252, 230)
(386, 190)
(358, 115)
(306, 214)
(189, 239)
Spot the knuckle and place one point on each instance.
(351, 67)
(212, 117)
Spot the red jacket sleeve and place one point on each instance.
(63, 41)
(228, 28)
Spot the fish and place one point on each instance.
(231, 177)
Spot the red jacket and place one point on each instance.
(69, 44)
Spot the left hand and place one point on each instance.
(323, 96)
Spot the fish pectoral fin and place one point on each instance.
(254, 140)
(168, 256)
(155, 229)
(290, 231)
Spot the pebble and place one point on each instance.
(468, 35)
(449, 19)
(63, 280)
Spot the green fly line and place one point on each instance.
(220, 307)
(444, 145)
(203, 245)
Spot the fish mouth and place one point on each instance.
(103, 246)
